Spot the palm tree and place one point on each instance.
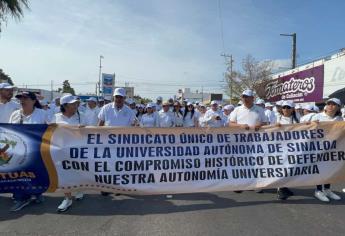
(13, 8)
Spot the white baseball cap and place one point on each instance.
(68, 99)
(279, 103)
(91, 99)
(6, 86)
(288, 103)
(150, 105)
(229, 107)
(335, 100)
(120, 92)
(214, 102)
(268, 104)
(297, 106)
(316, 108)
(308, 107)
(130, 101)
(248, 93)
(260, 101)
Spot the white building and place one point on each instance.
(186, 93)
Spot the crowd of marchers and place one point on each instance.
(249, 113)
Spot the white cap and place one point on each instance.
(101, 99)
(260, 101)
(130, 101)
(335, 100)
(69, 98)
(6, 86)
(248, 93)
(202, 105)
(159, 98)
(150, 105)
(120, 92)
(189, 103)
(268, 104)
(91, 99)
(229, 107)
(214, 102)
(297, 106)
(288, 103)
(308, 107)
(316, 108)
(279, 103)
(44, 102)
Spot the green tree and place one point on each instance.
(5, 78)
(141, 100)
(13, 8)
(66, 88)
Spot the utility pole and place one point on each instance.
(51, 88)
(293, 53)
(100, 75)
(202, 94)
(229, 69)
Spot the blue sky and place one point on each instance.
(159, 46)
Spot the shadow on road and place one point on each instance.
(97, 205)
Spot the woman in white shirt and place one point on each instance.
(190, 116)
(287, 117)
(331, 113)
(202, 122)
(149, 119)
(30, 113)
(178, 114)
(69, 116)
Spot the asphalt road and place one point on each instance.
(223, 213)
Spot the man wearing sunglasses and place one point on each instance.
(248, 115)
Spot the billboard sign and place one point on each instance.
(302, 86)
(108, 83)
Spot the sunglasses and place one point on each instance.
(286, 107)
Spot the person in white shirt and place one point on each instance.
(101, 102)
(159, 101)
(214, 116)
(69, 115)
(150, 118)
(226, 113)
(178, 113)
(141, 112)
(201, 117)
(166, 118)
(308, 112)
(190, 116)
(131, 104)
(30, 113)
(331, 113)
(269, 113)
(299, 111)
(248, 115)
(260, 102)
(287, 117)
(278, 108)
(7, 106)
(117, 113)
(92, 111)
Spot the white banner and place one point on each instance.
(183, 160)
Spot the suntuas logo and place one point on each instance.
(5, 156)
(13, 150)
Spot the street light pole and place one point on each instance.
(100, 75)
(293, 54)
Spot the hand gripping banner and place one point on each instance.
(39, 158)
